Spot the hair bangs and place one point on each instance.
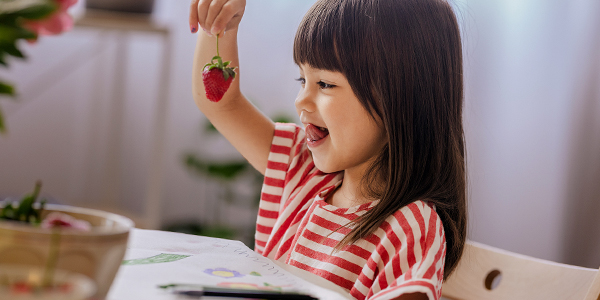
(315, 41)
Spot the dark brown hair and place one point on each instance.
(403, 59)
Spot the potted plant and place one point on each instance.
(46, 238)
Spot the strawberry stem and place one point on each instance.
(218, 45)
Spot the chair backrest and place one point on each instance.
(594, 290)
(486, 272)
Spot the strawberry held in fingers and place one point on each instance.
(217, 77)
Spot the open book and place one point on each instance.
(156, 258)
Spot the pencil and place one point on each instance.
(244, 293)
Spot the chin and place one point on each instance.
(324, 167)
(324, 170)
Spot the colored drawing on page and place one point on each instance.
(273, 287)
(223, 273)
(160, 258)
(239, 285)
(254, 273)
(250, 286)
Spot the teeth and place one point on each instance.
(322, 128)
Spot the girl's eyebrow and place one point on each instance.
(332, 79)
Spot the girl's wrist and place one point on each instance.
(222, 34)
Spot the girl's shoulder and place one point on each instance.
(417, 218)
(421, 207)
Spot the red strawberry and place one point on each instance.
(217, 77)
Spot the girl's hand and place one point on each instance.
(216, 16)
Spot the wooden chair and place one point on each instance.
(485, 272)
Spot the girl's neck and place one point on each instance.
(350, 192)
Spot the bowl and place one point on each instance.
(24, 283)
(96, 254)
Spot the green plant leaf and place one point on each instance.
(225, 171)
(282, 119)
(27, 9)
(38, 12)
(2, 125)
(25, 208)
(209, 127)
(218, 231)
(12, 50)
(25, 212)
(8, 19)
(10, 34)
(193, 227)
(6, 89)
(8, 212)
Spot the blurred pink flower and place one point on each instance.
(57, 22)
(57, 219)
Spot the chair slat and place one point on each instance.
(594, 290)
(522, 277)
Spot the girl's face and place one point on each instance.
(340, 132)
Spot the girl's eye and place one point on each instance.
(301, 80)
(324, 85)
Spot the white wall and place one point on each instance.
(529, 73)
(527, 70)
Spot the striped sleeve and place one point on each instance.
(418, 264)
(282, 150)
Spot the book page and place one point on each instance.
(157, 258)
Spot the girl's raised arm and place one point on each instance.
(246, 128)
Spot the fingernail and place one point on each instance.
(193, 29)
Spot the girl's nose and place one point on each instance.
(304, 101)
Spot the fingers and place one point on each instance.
(194, 16)
(202, 11)
(215, 16)
(227, 13)
(214, 11)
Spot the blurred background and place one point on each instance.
(105, 118)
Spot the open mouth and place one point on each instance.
(315, 133)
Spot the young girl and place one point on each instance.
(370, 193)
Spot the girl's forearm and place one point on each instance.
(244, 126)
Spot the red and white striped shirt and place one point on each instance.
(295, 225)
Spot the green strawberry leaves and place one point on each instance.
(223, 66)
